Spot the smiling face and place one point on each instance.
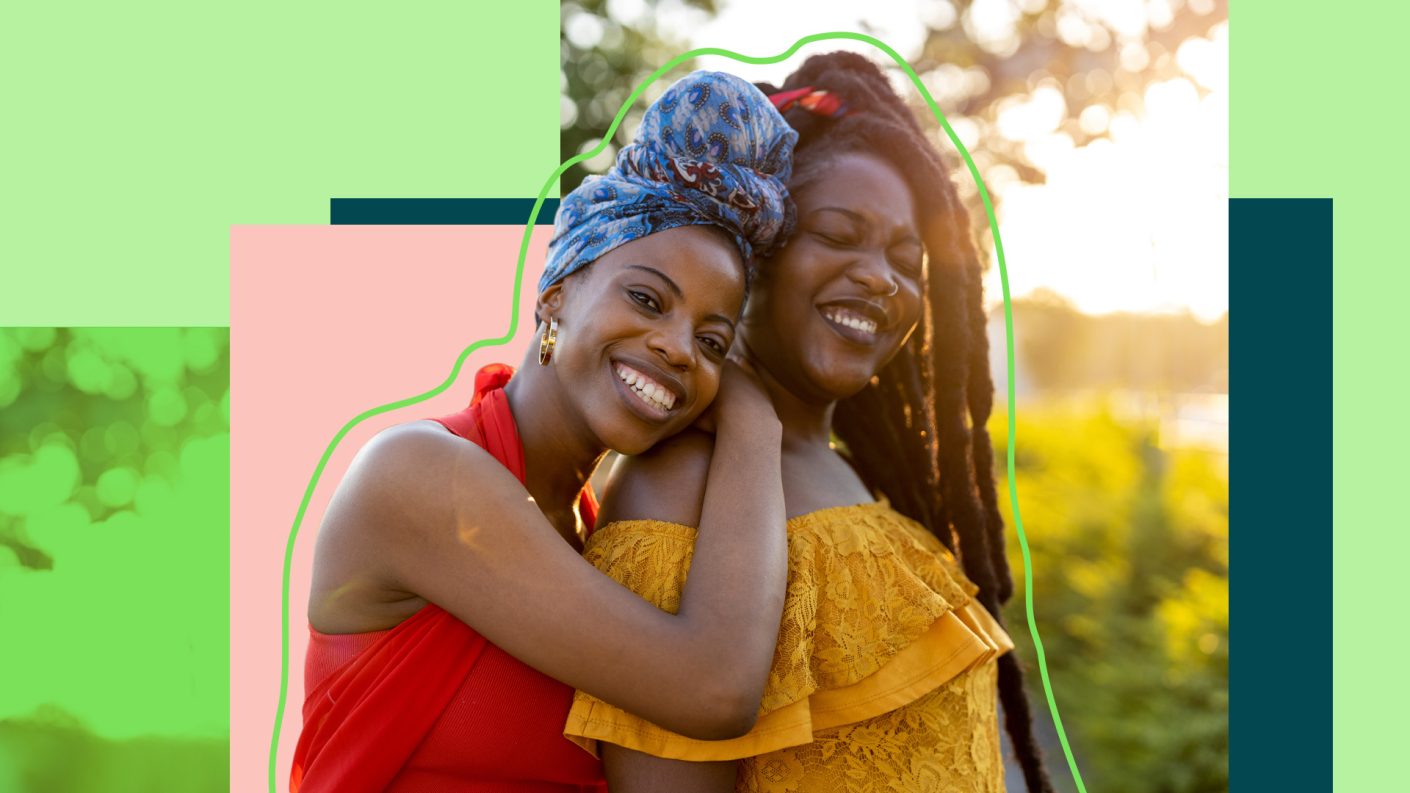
(643, 332)
(837, 303)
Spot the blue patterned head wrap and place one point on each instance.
(711, 151)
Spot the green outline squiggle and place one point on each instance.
(514, 326)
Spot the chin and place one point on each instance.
(620, 438)
(842, 379)
(635, 446)
(627, 435)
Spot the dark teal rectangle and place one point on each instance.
(1280, 508)
(439, 211)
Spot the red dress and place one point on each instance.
(431, 705)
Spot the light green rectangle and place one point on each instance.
(137, 134)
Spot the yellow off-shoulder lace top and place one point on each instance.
(884, 677)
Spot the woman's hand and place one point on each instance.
(424, 516)
(742, 401)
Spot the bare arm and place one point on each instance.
(436, 517)
(630, 771)
(667, 483)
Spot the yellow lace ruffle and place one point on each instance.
(879, 619)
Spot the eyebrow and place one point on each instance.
(724, 319)
(672, 284)
(677, 290)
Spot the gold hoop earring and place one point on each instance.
(546, 344)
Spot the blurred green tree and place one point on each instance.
(1128, 543)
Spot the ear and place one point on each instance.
(550, 302)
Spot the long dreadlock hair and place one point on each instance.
(917, 431)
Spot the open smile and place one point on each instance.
(857, 321)
(648, 392)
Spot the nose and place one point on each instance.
(675, 343)
(874, 274)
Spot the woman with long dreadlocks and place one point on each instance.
(868, 327)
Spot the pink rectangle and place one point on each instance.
(327, 322)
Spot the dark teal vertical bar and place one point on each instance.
(1280, 508)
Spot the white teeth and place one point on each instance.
(847, 318)
(644, 387)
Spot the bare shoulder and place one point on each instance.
(404, 485)
(402, 464)
(665, 483)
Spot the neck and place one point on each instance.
(807, 424)
(560, 452)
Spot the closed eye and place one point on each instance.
(907, 257)
(834, 239)
(909, 265)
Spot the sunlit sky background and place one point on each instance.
(1138, 222)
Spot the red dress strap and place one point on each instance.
(489, 423)
(364, 720)
(587, 508)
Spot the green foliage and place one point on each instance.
(1130, 564)
(114, 557)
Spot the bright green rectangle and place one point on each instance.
(136, 134)
(114, 558)
(1317, 110)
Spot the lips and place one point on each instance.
(652, 387)
(856, 320)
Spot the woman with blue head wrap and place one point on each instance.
(449, 599)
(703, 156)
(704, 181)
